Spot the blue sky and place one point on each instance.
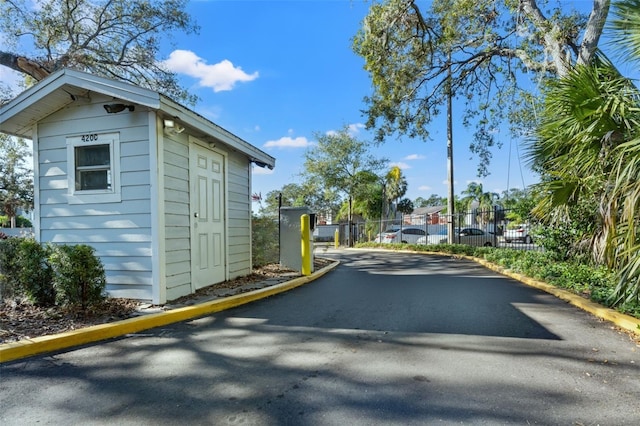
(276, 73)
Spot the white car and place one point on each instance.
(470, 236)
(520, 233)
(409, 235)
(439, 238)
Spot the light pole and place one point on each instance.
(450, 204)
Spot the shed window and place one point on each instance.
(93, 168)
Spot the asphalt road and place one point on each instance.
(385, 338)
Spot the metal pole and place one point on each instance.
(450, 206)
(350, 241)
(279, 227)
(381, 212)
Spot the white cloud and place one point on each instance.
(288, 142)
(352, 130)
(221, 76)
(255, 170)
(401, 165)
(355, 128)
(424, 188)
(412, 157)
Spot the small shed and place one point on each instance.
(160, 192)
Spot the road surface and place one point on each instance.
(384, 339)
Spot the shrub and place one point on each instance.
(21, 222)
(34, 272)
(79, 277)
(9, 267)
(265, 242)
(563, 241)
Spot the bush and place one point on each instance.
(563, 241)
(79, 277)
(34, 272)
(265, 242)
(9, 267)
(21, 222)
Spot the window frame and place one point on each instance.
(83, 196)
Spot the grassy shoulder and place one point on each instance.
(594, 283)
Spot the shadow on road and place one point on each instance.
(405, 293)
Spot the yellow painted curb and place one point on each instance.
(55, 342)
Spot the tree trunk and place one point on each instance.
(593, 31)
(555, 43)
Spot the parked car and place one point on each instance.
(520, 233)
(409, 235)
(439, 238)
(470, 236)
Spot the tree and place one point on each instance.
(410, 46)
(395, 186)
(307, 194)
(475, 193)
(587, 149)
(369, 199)
(367, 203)
(485, 200)
(405, 206)
(116, 38)
(518, 204)
(433, 201)
(16, 180)
(336, 163)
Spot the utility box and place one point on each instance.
(291, 237)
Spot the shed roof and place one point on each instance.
(66, 86)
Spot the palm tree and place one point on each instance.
(587, 149)
(485, 200)
(395, 186)
(626, 193)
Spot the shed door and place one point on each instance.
(207, 217)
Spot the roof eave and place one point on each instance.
(196, 121)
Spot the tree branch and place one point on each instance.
(23, 64)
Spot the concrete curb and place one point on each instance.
(55, 342)
(626, 322)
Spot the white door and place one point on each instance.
(207, 217)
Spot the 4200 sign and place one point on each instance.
(93, 137)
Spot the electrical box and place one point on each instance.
(291, 237)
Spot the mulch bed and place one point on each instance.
(20, 320)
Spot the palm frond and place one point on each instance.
(626, 28)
